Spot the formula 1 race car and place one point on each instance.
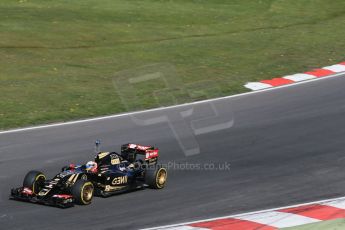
(110, 173)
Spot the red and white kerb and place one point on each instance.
(272, 219)
(290, 79)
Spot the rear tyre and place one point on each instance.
(156, 177)
(34, 180)
(82, 191)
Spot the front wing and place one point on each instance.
(59, 200)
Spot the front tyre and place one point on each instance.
(34, 180)
(82, 191)
(156, 177)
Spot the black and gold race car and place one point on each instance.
(110, 173)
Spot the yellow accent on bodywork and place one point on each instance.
(102, 154)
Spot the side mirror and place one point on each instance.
(97, 146)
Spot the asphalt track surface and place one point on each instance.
(284, 146)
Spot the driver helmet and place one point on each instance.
(91, 166)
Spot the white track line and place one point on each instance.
(168, 107)
(186, 228)
(340, 201)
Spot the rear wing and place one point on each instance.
(150, 152)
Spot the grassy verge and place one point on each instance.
(63, 60)
(338, 224)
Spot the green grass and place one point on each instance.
(338, 224)
(63, 60)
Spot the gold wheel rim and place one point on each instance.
(161, 177)
(87, 193)
(38, 177)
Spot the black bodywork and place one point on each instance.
(116, 173)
